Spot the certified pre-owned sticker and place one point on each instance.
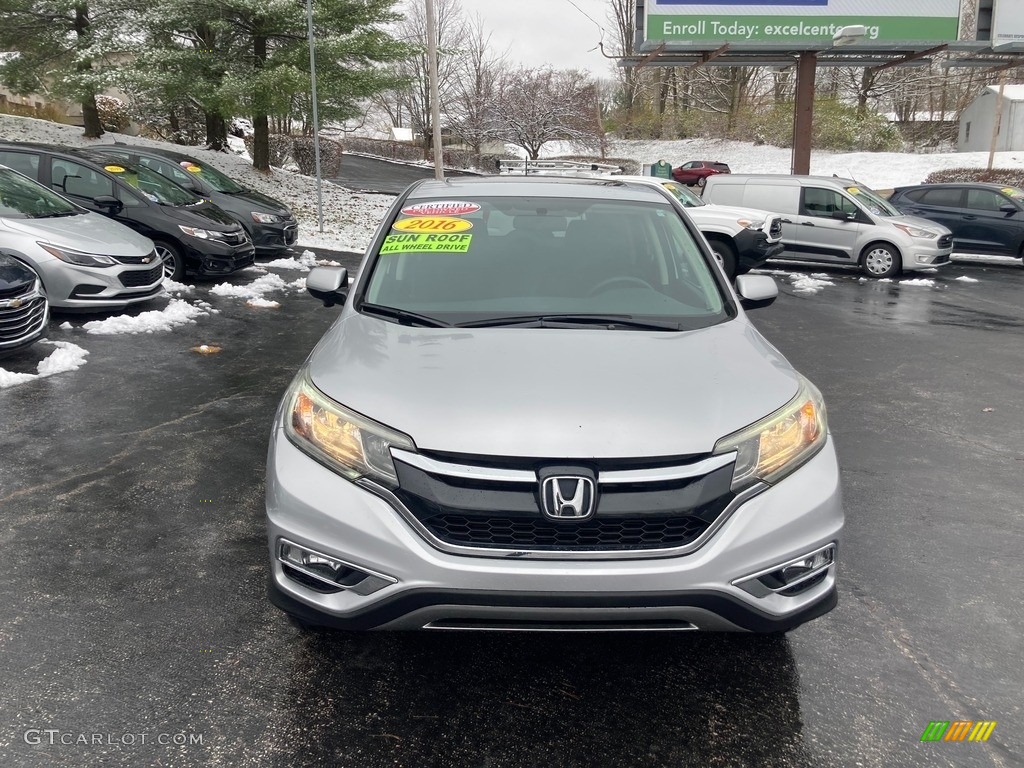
(441, 208)
(433, 224)
(426, 244)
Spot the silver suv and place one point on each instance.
(535, 412)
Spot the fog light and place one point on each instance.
(792, 577)
(324, 573)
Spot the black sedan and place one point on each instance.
(269, 222)
(189, 233)
(23, 308)
(984, 218)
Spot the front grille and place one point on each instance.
(291, 235)
(139, 277)
(233, 238)
(649, 514)
(18, 290)
(946, 241)
(593, 535)
(18, 323)
(149, 258)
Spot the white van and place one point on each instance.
(829, 220)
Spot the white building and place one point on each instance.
(979, 119)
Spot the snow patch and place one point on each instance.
(66, 326)
(808, 285)
(66, 357)
(174, 287)
(966, 279)
(254, 290)
(925, 282)
(178, 312)
(259, 302)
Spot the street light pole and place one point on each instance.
(316, 118)
(435, 97)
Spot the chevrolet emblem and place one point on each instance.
(14, 303)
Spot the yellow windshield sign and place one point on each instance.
(426, 244)
(193, 169)
(113, 168)
(853, 190)
(433, 224)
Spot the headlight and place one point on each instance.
(913, 231)
(266, 218)
(749, 224)
(778, 444)
(202, 234)
(78, 257)
(346, 442)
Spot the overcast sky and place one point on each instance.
(552, 32)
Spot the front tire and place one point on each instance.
(174, 262)
(701, 182)
(881, 260)
(726, 256)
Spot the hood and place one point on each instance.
(553, 393)
(917, 221)
(737, 213)
(204, 216)
(259, 202)
(88, 232)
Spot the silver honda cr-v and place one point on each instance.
(543, 407)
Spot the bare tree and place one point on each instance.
(537, 106)
(471, 110)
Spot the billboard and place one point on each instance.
(804, 21)
(1007, 23)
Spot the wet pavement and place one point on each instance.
(134, 565)
(370, 174)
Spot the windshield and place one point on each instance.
(21, 198)
(157, 188)
(213, 177)
(502, 259)
(1014, 193)
(683, 194)
(873, 201)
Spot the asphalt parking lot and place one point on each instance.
(137, 632)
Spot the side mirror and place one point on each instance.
(756, 291)
(1009, 208)
(111, 203)
(843, 216)
(328, 284)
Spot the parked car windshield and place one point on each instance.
(1014, 193)
(873, 201)
(492, 261)
(21, 198)
(213, 177)
(684, 195)
(157, 188)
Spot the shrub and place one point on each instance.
(114, 114)
(280, 148)
(303, 150)
(1011, 177)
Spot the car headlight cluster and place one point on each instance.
(202, 234)
(772, 448)
(346, 442)
(751, 224)
(920, 232)
(78, 258)
(266, 218)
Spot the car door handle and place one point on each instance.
(807, 223)
(786, 221)
(969, 217)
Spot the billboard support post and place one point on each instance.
(803, 114)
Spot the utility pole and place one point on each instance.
(435, 97)
(316, 119)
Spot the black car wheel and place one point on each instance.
(726, 256)
(174, 262)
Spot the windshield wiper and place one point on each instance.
(403, 316)
(57, 215)
(569, 320)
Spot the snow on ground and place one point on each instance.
(808, 285)
(260, 303)
(966, 279)
(177, 312)
(66, 357)
(925, 282)
(303, 263)
(249, 291)
(175, 288)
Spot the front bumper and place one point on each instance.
(427, 588)
(275, 239)
(210, 258)
(927, 255)
(72, 287)
(753, 250)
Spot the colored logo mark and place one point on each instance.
(958, 730)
